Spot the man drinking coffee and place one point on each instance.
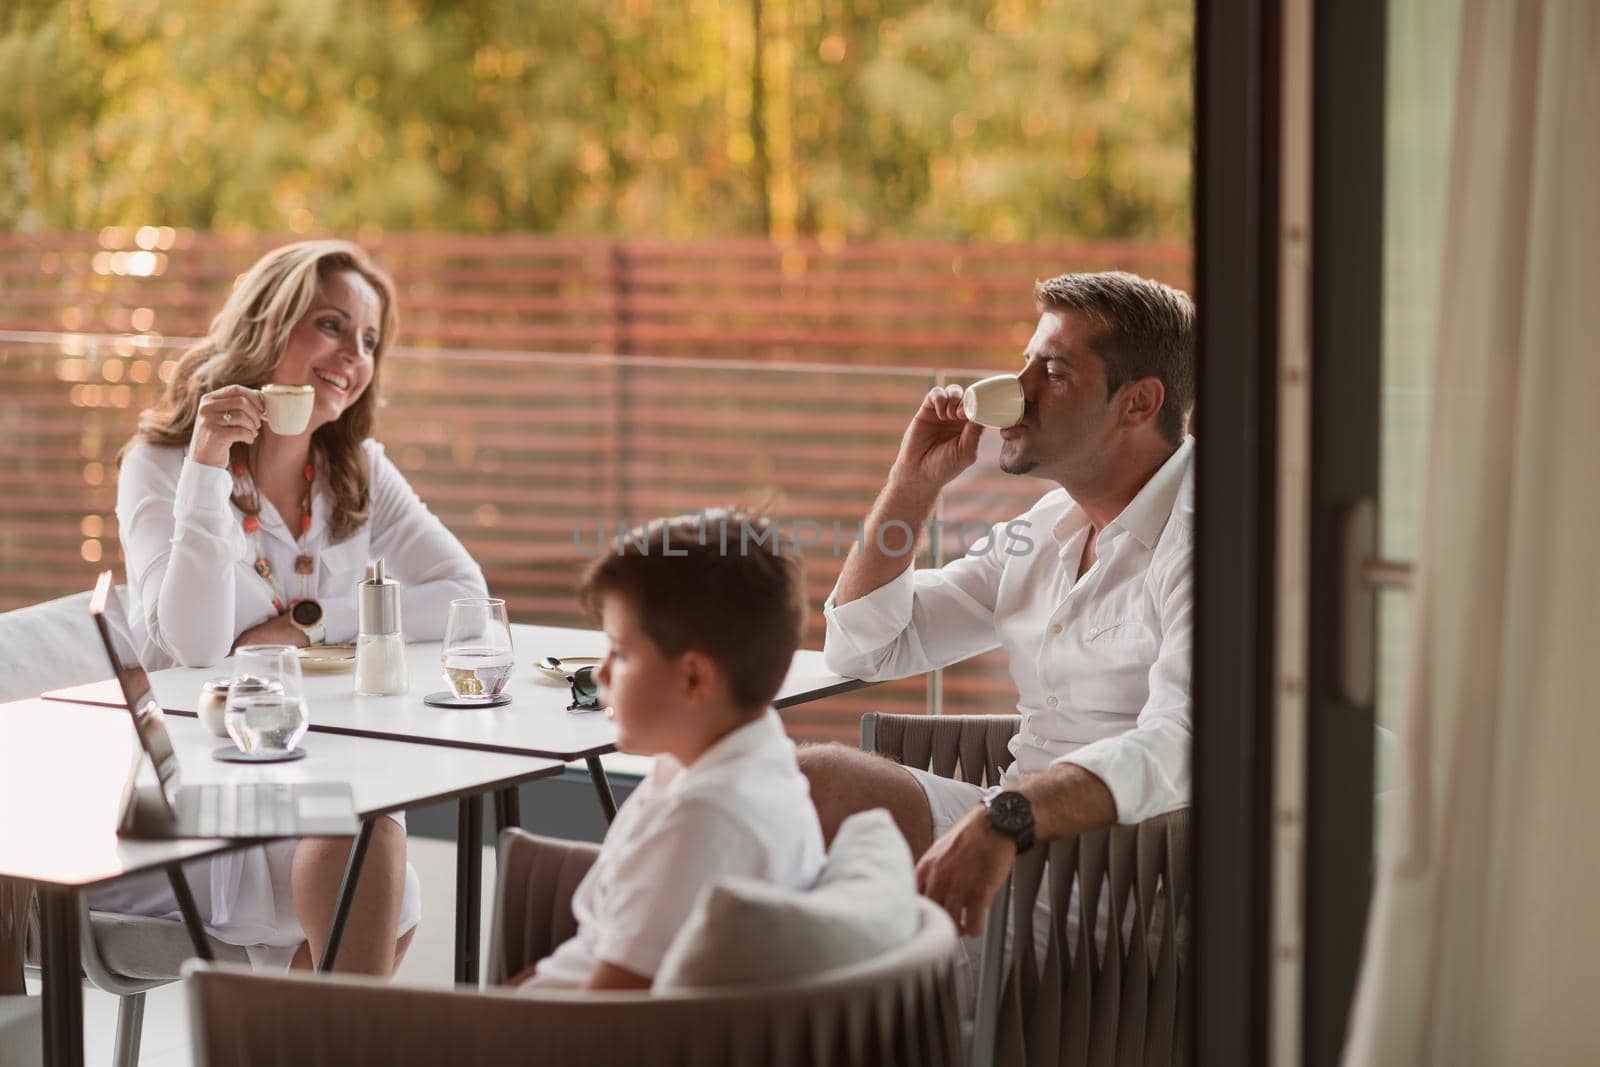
(1090, 592)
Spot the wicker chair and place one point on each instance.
(895, 1009)
(1128, 1004)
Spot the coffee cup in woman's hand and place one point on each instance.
(288, 407)
(226, 417)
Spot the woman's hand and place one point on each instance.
(226, 416)
(278, 631)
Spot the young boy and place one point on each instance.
(704, 614)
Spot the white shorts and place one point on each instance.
(244, 898)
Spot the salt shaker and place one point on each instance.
(380, 648)
(214, 705)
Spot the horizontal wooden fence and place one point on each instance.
(923, 302)
(535, 458)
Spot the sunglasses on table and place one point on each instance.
(585, 690)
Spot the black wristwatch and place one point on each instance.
(1011, 814)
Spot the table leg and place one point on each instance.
(63, 977)
(469, 883)
(602, 786)
(347, 894)
(191, 914)
(507, 810)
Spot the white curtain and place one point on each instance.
(1484, 940)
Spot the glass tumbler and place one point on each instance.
(266, 711)
(477, 656)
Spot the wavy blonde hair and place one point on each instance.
(243, 346)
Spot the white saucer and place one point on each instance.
(328, 659)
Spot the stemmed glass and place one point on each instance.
(266, 710)
(477, 655)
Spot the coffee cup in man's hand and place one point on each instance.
(996, 402)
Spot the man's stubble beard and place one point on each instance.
(1020, 463)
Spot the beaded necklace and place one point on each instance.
(247, 498)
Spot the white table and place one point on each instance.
(62, 771)
(535, 723)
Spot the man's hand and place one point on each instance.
(963, 870)
(939, 444)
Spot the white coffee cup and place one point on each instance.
(996, 402)
(288, 407)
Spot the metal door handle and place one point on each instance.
(1361, 575)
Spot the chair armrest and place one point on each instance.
(897, 1008)
(533, 899)
(237, 1017)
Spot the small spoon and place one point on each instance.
(554, 664)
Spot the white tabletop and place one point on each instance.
(63, 767)
(535, 723)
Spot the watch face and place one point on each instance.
(1010, 812)
(306, 613)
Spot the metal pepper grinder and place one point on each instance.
(381, 668)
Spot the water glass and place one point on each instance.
(266, 710)
(477, 655)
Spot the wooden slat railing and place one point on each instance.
(885, 303)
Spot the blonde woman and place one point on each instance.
(234, 534)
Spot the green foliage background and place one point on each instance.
(845, 119)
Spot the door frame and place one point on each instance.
(1236, 292)
(1349, 58)
(1256, 625)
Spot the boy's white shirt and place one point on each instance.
(742, 809)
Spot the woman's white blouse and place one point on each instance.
(190, 565)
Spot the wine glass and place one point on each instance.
(477, 654)
(266, 710)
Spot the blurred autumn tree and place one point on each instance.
(845, 119)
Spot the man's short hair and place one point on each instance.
(1147, 331)
(722, 582)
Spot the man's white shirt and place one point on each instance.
(1101, 663)
(742, 809)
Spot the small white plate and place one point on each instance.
(328, 659)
